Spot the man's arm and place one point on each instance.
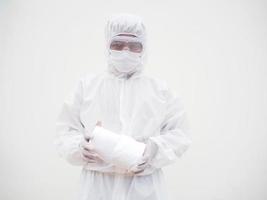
(174, 138)
(69, 127)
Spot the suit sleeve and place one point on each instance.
(175, 136)
(69, 129)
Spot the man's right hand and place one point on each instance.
(87, 149)
(88, 153)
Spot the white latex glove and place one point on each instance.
(149, 153)
(88, 154)
(87, 150)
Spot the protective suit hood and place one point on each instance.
(125, 24)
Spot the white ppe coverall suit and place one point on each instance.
(127, 103)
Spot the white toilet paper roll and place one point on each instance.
(121, 150)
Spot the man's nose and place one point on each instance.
(125, 47)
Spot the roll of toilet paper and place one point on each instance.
(120, 150)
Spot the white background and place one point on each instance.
(212, 53)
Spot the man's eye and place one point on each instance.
(117, 45)
(136, 46)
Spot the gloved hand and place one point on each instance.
(88, 154)
(87, 150)
(149, 153)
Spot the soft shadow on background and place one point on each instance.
(212, 53)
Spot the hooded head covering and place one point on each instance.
(125, 24)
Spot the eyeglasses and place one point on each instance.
(132, 44)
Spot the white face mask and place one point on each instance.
(125, 61)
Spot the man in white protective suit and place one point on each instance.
(121, 125)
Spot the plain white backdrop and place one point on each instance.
(212, 53)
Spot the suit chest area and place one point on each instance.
(127, 107)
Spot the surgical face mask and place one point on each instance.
(124, 60)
